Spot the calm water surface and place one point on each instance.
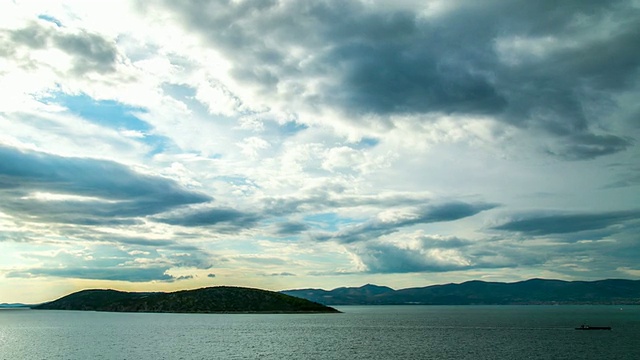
(361, 332)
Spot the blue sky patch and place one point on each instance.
(327, 221)
(159, 143)
(107, 113)
(50, 19)
(366, 143)
(292, 127)
(114, 115)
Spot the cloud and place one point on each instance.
(98, 273)
(282, 274)
(387, 258)
(589, 146)
(542, 67)
(97, 258)
(435, 242)
(261, 260)
(378, 227)
(138, 241)
(194, 258)
(363, 41)
(212, 216)
(630, 178)
(567, 223)
(291, 228)
(44, 187)
(89, 52)
(184, 277)
(333, 196)
(418, 252)
(432, 253)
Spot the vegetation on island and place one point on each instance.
(220, 299)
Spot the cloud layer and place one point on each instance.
(280, 143)
(542, 67)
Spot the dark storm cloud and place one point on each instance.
(208, 217)
(567, 223)
(114, 193)
(90, 52)
(428, 214)
(469, 59)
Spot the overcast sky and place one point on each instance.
(160, 145)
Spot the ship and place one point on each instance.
(587, 327)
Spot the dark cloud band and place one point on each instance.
(567, 223)
(428, 214)
(102, 192)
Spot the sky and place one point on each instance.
(280, 144)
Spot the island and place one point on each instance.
(218, 299)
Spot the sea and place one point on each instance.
(359, 332)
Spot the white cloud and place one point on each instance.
(251, 146)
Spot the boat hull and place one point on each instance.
(594, 328)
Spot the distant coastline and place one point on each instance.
(14, 306)
(528, 292)
(246, 300)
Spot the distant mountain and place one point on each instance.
(364, 295)
(534, 291)
(221, 299)
(13, 306)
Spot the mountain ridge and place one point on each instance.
(478, 292)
